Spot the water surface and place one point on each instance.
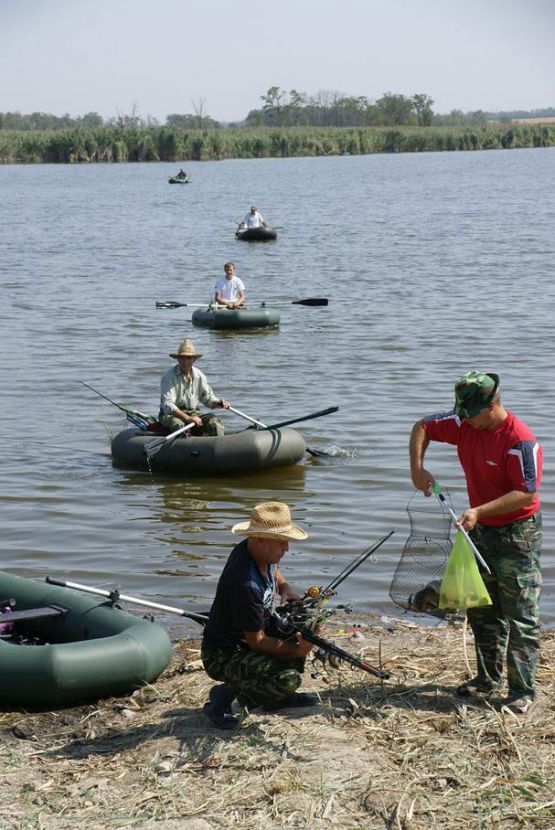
(433, 263)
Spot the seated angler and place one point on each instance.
(256, 668)
(229, 291)
(253, 219)
(183, 388)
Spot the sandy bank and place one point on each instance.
(405, 753)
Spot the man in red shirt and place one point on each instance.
(502, 463)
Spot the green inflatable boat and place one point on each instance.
(59, 648)
(239, 452)
(214, 317)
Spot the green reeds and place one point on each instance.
(112, 144)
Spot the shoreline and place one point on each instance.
(403, 753)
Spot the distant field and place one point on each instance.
(548, 119)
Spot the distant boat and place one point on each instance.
(179, 180)
(260, 234)
(220, 317)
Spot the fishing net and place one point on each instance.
(417, 578)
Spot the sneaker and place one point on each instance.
(294, 701)
(519, 705)
(218, 709)
(475, 687)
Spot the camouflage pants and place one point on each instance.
(255, 678)
(511, 625)
(211, 424)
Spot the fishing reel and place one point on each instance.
(287, 620)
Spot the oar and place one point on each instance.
(247, 417)
(437, 490)
(115, 596)
(310, 450)
(311, 301)
(318, 414)
(154, 447)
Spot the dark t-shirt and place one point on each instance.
(242, 602)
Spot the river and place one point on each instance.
(433, 264)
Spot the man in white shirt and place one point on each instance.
(183, 387)
(253, 219)
(229, 291)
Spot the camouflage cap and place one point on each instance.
(474, 392)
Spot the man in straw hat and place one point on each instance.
(183, 388)
(502, 463)
(257, 669)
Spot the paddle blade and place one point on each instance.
(169, 304)
(317, 453)
(154, 447)
(311, 301)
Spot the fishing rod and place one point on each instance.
(139, 419)
(302, 616)
(315, 595)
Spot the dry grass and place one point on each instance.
(401, 755)
(546, 119)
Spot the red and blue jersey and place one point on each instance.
(494, 463)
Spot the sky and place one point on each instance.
(221, 56)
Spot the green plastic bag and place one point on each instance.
(462, 585)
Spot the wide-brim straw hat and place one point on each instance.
(186, 349)
(270, 520)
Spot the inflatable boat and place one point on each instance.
(260, 234)
(220, 317)
(58, 647)
(238, 452)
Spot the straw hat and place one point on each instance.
(270, 520)
(186, 349)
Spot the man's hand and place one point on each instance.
(287, 594)
(423, 480)
(468, 520)
(191, 419)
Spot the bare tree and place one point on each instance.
(199, 107)
(126, 121)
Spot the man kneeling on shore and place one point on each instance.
(256, 668)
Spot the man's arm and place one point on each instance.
(284, 649)
(221, 301)
(240, 299)
(285, 591)
(421, 478)
(506, 503)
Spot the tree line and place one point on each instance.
(281, 108)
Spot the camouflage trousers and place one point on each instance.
(256, 679)
(511, 625)
(211, 424)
